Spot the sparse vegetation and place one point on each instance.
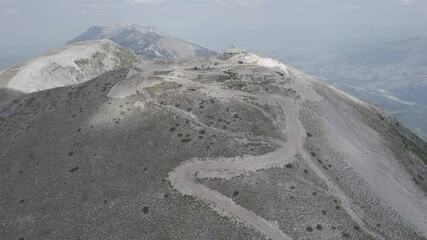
(74, 169)
(319, 227)
(145, 210)
(309, 229)
(235, 193)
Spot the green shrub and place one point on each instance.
(145, 210)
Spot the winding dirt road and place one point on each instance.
(183, 178)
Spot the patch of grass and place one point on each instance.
(305, 171)
(338, 207)
(324, 212)
(70, 154)
(319, 227)
(289, 165)
(203, 131)
(179, 134)
(314, 193)
(172, 129)
(292, 187)
(145, 210)
(313, 154)
(346, 235)
(309, 229)
(235, 193)
(309, 135)
(357, 228)
(186, 140)
(74, 169)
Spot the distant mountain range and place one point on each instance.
(146, 41)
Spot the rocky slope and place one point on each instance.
(146, 41)
(69, 65)
(229, 147)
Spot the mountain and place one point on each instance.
(146, 41)
(236, 146)
(69, 65)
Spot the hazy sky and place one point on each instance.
(43, 22)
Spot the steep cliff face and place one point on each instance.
(230, 147)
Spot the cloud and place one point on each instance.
(11, 12)
(353, 7)
(401, 2)
(144, 1)
(406, 2)
(240, 2)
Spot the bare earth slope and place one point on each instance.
(69, 65)
(231, 147)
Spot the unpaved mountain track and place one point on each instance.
(184, 177)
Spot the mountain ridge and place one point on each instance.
(129, 131)
(146, 41)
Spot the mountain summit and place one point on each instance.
(146, 41)
(235, 146)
